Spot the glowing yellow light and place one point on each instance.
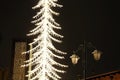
(42, 59)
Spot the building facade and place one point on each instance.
(18, 71)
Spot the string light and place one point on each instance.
(42, 60)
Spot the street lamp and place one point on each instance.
(96, 55)
(74, 58)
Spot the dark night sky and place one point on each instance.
(95, 21)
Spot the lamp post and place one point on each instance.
(83, 47)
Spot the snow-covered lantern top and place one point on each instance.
(74, 58)
(97, 54)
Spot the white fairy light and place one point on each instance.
(42, 59)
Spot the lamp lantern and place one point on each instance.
(96, 55)
(74, 58)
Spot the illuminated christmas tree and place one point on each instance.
(43, 50)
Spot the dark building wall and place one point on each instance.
(4, 74)
(1, 74)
